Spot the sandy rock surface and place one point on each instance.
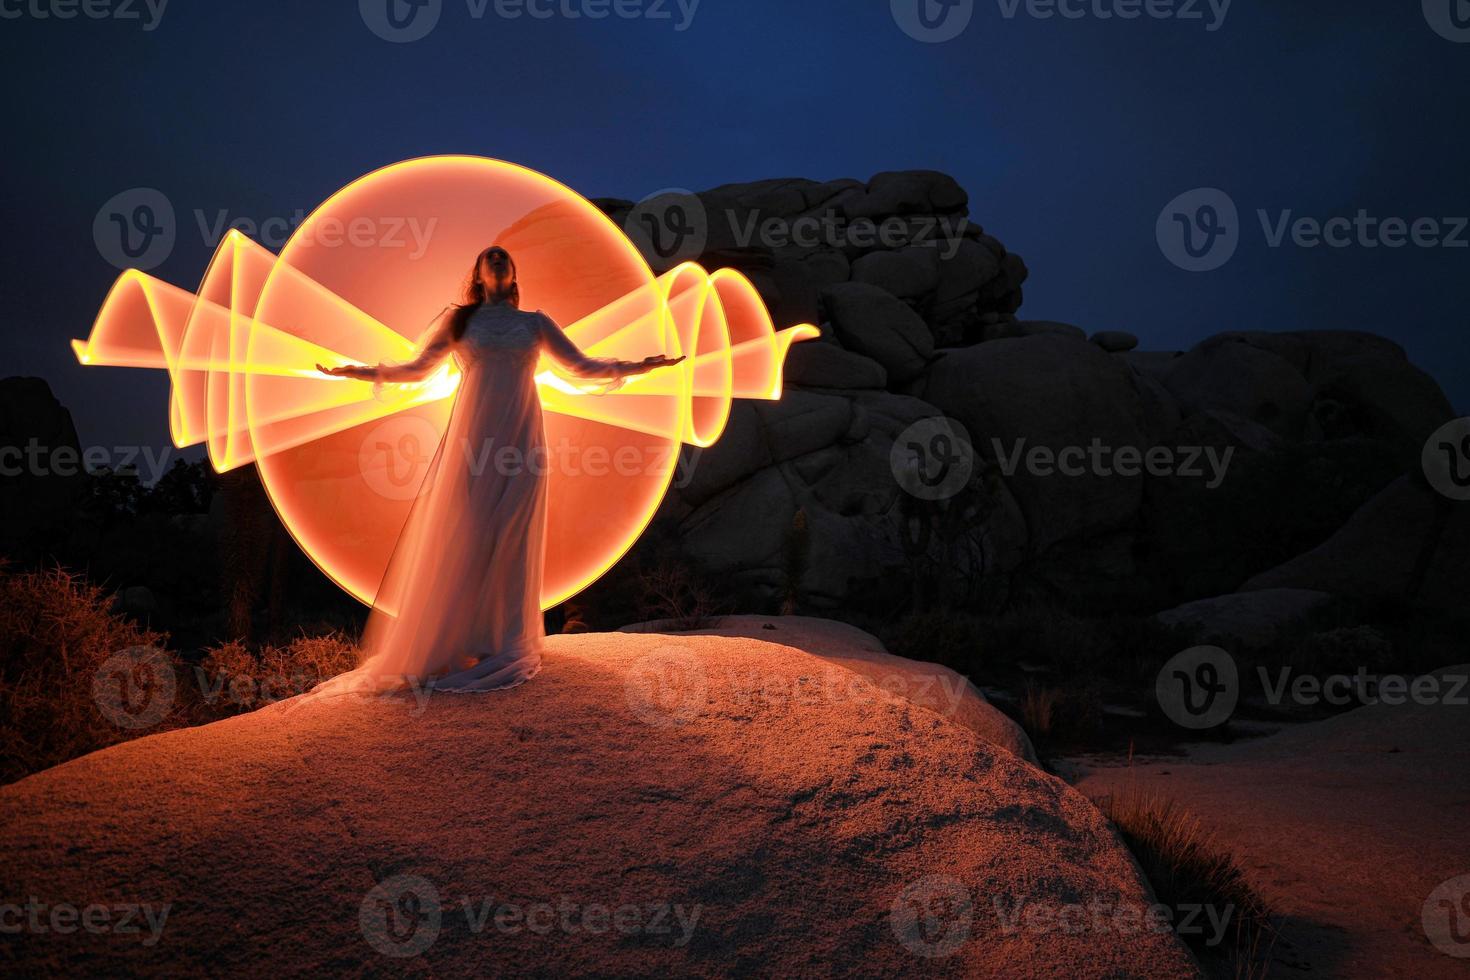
(1348, 828)
(926, 685)
(705, 807)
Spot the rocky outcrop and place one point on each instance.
(1348, 384)
(1104, 476)
(878, 324)
(908, 233)
(1246, 619)
(1115, 341)
(1049, 391)
(672, 805)
(1228, 374)
(1406, 545)
(829, 365)
(42, 462)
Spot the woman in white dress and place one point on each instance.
(459, 608)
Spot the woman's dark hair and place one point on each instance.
(474, 293)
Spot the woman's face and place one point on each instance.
(496, 271)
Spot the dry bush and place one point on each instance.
(75, 678)
(234, 678)
(670, 590)
(954, 639)
(56, 632)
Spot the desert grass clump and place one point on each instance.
(58, 641)
(1056, 715)
(1194, 876)
(234, 678)
(1039, 711)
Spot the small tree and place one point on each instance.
(944, 541)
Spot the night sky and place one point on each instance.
(1071, 136)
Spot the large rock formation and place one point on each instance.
(672, 805)
(1407, 544)
(1212, 465)
(40, 461)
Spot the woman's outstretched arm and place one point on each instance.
(435, 349)
(571, 357)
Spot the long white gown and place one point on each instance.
(459, 607)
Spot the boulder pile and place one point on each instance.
(1101, 476)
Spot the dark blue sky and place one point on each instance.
(1071, 135)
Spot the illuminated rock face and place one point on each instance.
(798, 815)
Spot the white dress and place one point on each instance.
(459, 608)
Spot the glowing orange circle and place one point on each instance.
(396, 245)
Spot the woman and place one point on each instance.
(460, 605)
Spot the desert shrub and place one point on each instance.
(186, 488)
(653, 581)
(1343, 651)
(1124, 647)
(233, 677)
(64, 657)
(954, 639)
(1037, 633)
(1136, 647)
(75, 677)
(672, 590)
(796, 555)
(1189, 869)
